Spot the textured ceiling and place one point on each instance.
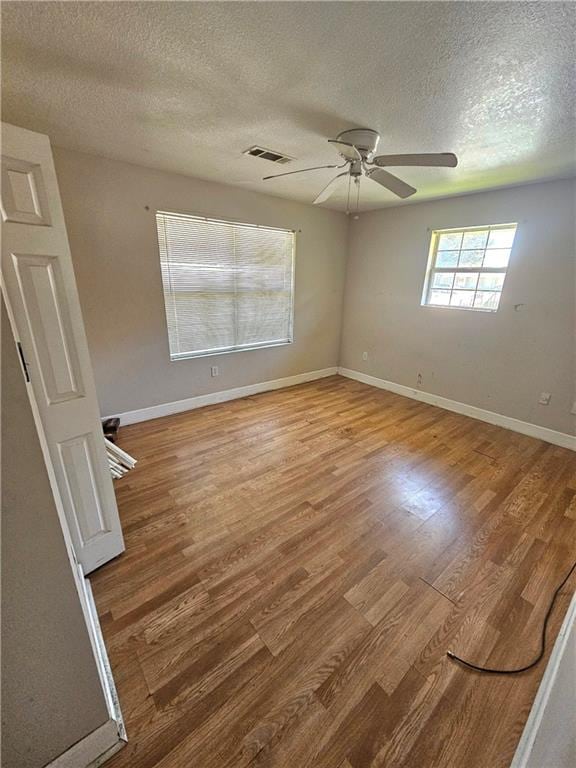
(186, 87)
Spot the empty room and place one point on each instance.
(288, 384)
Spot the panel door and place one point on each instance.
(40, 292)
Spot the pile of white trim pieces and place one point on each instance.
(119, 461)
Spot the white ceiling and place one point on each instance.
(186, 87)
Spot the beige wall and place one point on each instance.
(115, 255)
(501, 361)
(51, 692)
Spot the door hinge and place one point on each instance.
(23, 360)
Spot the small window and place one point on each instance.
(467, 267)
(227, 286)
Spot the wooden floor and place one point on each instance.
(299, 562)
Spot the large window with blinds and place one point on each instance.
(227, 286)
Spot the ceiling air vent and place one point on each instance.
(268, 154)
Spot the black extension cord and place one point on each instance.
(542, 640)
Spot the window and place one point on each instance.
(227, 286)
(467, 267)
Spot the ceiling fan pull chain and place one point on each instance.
(348, 198)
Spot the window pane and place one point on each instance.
(497, 258)
(491, 282)
(473, 240)
(226, 285)
(469, 266)
(443, 280)
(471, 259)
(466, 280)
(487, 300)
(449, 241)
(439, 297)
(501, 238)
(462, 298)
(447, 259)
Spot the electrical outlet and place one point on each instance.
(214, 371)
(419, 380)
(364, 355)
(544, 398)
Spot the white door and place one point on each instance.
(40, 293)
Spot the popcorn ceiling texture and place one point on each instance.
(186, 87)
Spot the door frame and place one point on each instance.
(49, 217)
(111, 736)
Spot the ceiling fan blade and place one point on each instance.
(302, 170)
(393, 183)
(329, 189)
(347, 150)
(437, 160)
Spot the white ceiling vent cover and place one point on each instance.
(268, 154)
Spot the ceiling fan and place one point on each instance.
(357, 147)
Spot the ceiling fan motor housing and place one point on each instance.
(364, 139)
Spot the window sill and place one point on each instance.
(465, 309)
(218, 352)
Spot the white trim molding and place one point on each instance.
(525, 428)
(103, 663)
(190, 403)
(543, 730)
(92, 750)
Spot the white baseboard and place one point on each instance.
(550, 707)
(178, 406)
(93, 750)
(524, 427)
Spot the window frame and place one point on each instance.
(432, 269)
(217, 351)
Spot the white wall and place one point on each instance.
(549, 738)
(497, 361)
(51, 691)
(115, 255)
(555, 742)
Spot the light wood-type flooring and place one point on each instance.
(299, 562)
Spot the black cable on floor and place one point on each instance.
(542, 640)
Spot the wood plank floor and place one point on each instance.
(299, 562)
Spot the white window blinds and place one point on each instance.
(227, 286)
